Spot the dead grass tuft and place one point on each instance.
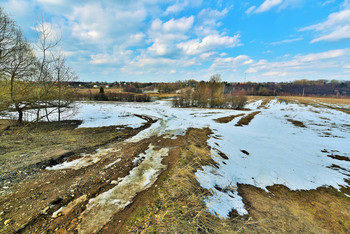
(246, 120)
(297, 123)
(227, 119)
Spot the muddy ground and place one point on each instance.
(36, 200)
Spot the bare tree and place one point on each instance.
(47, 41)
(61, 74)
(17, 67)
(7, 36)
(27, 82)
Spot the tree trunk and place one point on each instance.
(20, 114)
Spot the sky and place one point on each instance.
(162, 41)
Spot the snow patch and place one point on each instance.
(101, 209)
(86, 160)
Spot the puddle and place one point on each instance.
(101, 209)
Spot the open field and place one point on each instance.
(327, 100)
(278, 166)
(97, 90)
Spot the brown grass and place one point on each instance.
(246, 120)
(321, 101)
(163, 95)
(265, 101)
(177, 206)
(308, 100)
(322, 210)
(297, 123)
(227, 119)
(97, 90)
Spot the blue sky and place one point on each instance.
(153, 40)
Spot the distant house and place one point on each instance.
(95, 86)
(107, 86)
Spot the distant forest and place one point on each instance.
(325, 88)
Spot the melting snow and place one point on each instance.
(279, 152)
(101, 209)
(85, 160)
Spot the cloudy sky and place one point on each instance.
(154, 40)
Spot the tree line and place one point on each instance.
(209, 95)
(32, 75)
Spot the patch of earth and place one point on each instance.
(227, 119)
(247, 119)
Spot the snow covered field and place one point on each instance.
(270, 150)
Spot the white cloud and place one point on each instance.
(159, 48)
(120, 56)
(172, 71)
(209, 42)
(208, 21)
(321, 56)
(336, 35)
(18, 7)
(250, 10)
(206, 55)
(270, 4)
(51, 2)
(303, 66)
(165, 35)
(335, 28)
(230, 62)
(328, 2)
(287, 41)
(182, 24)
(181, 5)
(251, 70)
(267, 5)
(275, 73)
(103, 24)
(290, 4)
(174, 8)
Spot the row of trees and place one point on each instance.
(209, 95)
(296, 88)
(121, 97)
(32, 76)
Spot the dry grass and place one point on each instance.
(163, 95)
(178, 205)
(324, 210)
(265, 101)
(323, 102)
(308, 100)
(4, 124)
(44, 141)
(97, 90)
(297, 123)
(246, 120)
(227, 119)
